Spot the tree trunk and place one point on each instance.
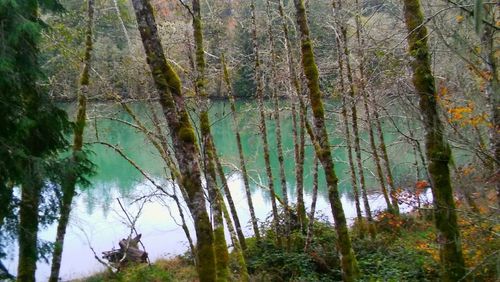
(230, 202)
(28, 224)
(298, 123)
(208, 149)
(349, 264)
(352, 168)
(69, 184)
(357, 146)
(238, 252)
(310, 226)
(277, 121)
(376, 157)
(163, 149)
(67, 199)
(437, 149)
(493, 94)
(122, 24)
(244, 173)
(385, 158)
(365, 97)
(6, 196)
(345, 120)
(263, 126)
(184, 141)
(237, 237)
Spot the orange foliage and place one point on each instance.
(478, 237)
(429, 246)
(463, 113)
(421, 185)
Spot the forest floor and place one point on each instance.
(405, 249)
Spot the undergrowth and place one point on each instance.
(405, 249)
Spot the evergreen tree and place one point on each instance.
(32, 126)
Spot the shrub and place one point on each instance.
(267, 262)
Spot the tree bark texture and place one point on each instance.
(184, 140)
(28, 224)
(208, 149)
(437, 149)
(349, 264)
(298, 120)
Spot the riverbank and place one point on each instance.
(405, 249)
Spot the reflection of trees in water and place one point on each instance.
(113, 172)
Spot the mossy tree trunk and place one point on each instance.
(164, 150)
(243, 167)
(237, 251)
(349, 264)
(347, 130)
(263, 125)
(298, 120)
(69, 185)
(437, 149)
(208, 149)
(184, 140)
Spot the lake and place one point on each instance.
(98, 223)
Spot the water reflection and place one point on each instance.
(98, 222)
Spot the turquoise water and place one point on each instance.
(98, 222)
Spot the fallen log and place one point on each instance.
(128, 252)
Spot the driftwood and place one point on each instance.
(128, 252)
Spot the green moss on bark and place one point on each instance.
(350, 269)
(437, 149)
(184, 141)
